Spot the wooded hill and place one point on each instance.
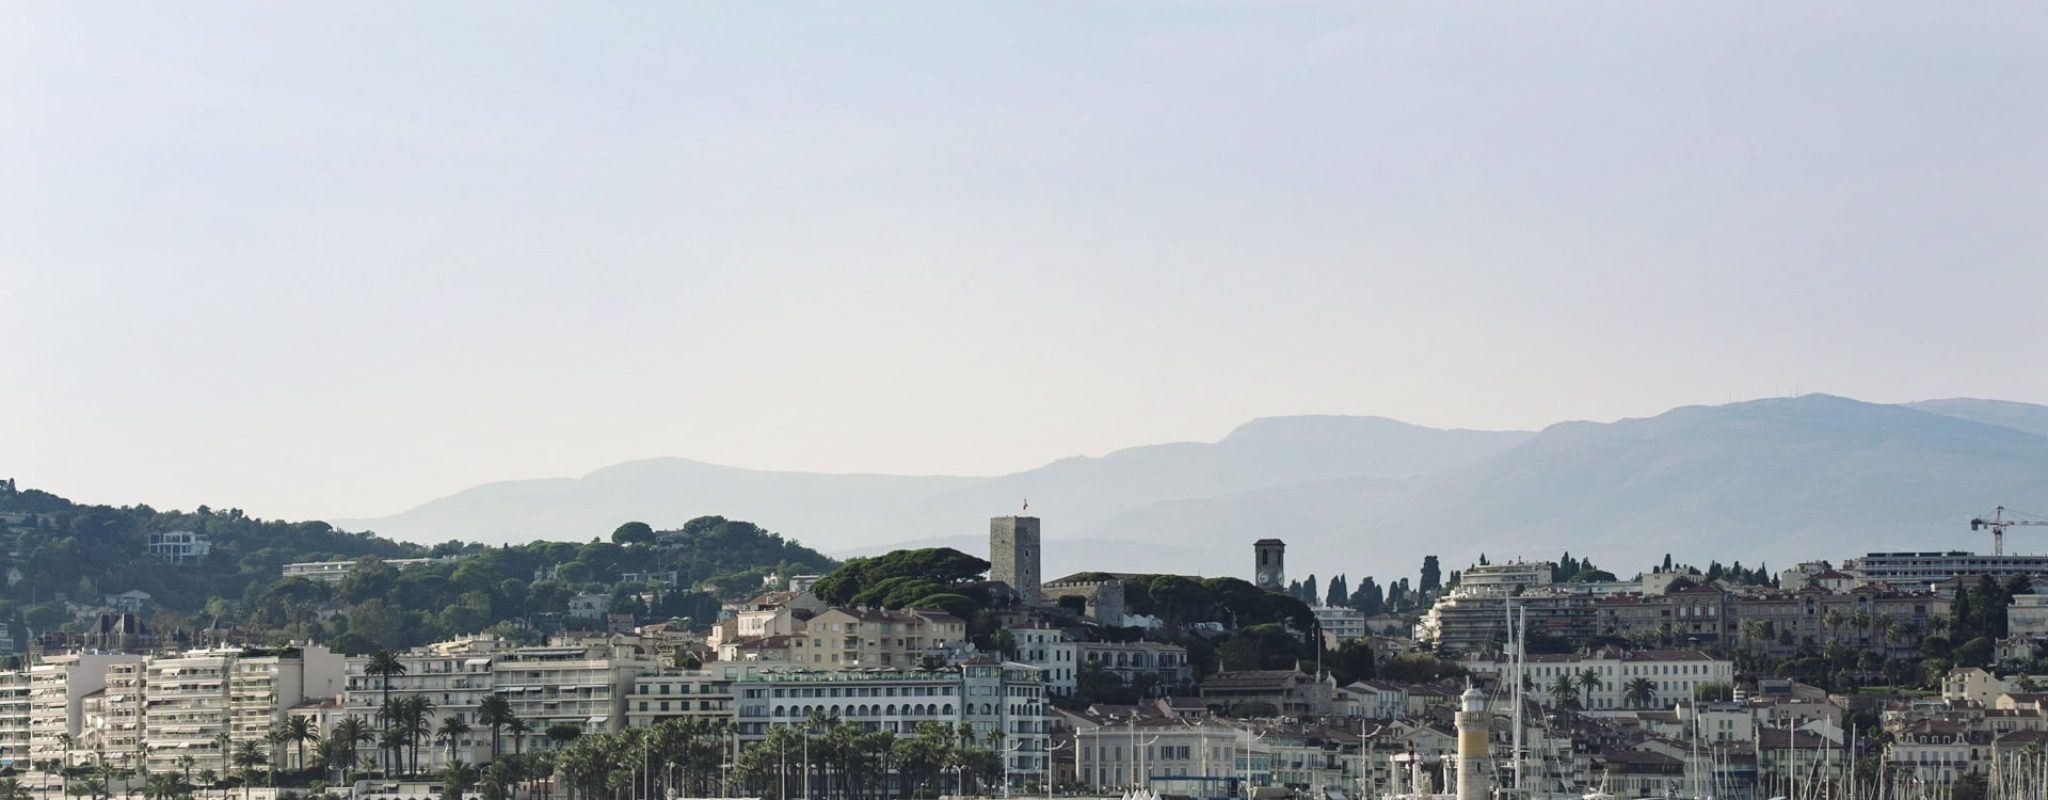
(62, 557)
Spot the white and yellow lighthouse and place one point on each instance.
(1475, 762)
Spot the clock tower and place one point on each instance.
(1270, 572)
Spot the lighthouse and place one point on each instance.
(1475, 768)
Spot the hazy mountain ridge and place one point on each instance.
(2003, 413)
(1814, 477)
(1780, 480)
(856, 513)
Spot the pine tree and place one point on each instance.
(1368, 599)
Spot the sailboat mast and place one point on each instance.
(1515, 649)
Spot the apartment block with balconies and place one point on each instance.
(185, 709)
(14, 720)
(703, 694)
(583, 686)
(57, 688)
(454, 680)
(121, 732)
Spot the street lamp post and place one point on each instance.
(1249, 740)
(1143, 769)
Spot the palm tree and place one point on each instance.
(1563, 691)
(185, 764)
(299, 730)
(224, 743)
(519, 728)
(456, 778)
(494, 710)
(336, 755)
(453, 728)
(562, 733)
(248, 757)
(1832, 619)
(1640, 693)
(385, 665)
(351, 730)
(11, 789)
(158, 787)
(275, 738)
(1589, 680)
(417, 713)
(47, 767)
(391, 742)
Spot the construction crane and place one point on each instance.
(1998, 523)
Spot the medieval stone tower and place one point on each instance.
(1270, 569)
(1013, 555)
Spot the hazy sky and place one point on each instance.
(340, 260)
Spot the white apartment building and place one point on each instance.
(265, 684)
(186, 709)
(1504, 580)
(1119, 753)
(194, 697)
(14, 719)
(179, 547)
(704, 694)
(1911, 569)
(2027, 618)
(1674, 675)
(454, 681)
(56, 698)
(1007, 697)
(1053, 651)
(853, 638)
(121, 731)
(335, 571)
(580, 685)
(1165, 665)
(775, 613)
(1342, 624)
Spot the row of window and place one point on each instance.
(860, 691)
(684, 705)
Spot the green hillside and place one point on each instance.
(63, 556)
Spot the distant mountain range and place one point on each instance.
(1779, 480)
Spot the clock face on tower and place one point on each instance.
(1268, 580)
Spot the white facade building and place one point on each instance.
(56, 692)
(1009, 697)
(455, 682)
(1054, 652)
(583, 685)
(1674, 675)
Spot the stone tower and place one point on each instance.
(1013, 555)
(1270, 572)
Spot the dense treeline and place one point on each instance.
(64, 552)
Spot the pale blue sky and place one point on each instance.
(337, 260)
